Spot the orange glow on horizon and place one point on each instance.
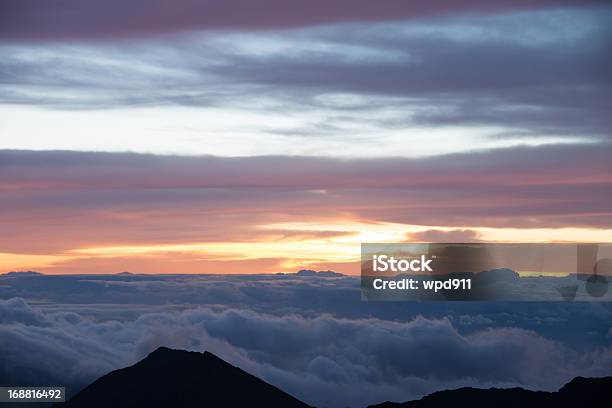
(337, 251)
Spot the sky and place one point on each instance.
(216, 137)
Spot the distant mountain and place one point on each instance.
(322, 274)
(177, 378)
(580, 392)
(22, 273)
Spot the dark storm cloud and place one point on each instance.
(74, 19)
(315, 358)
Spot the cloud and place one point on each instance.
(72, 19)
(311, 357)
(479, 320)
(434, 235)
(176, 202)
(169, 199)
(523, 167)
(124, 297)
(329, 84)
(17, 310)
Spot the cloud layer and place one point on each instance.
(417, 88)
(323, 360)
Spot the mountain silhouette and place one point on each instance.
(178, 378)
(578, 393)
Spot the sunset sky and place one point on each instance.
(213, 137)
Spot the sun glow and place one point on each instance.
(308, 250)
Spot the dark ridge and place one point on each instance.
(321, 274)
(580, 392)
(178, 378)
(21, 273)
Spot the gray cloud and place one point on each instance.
(506, 71)
(71, 19)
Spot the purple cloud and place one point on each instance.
(78, 19)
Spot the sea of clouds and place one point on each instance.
(310, 336)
